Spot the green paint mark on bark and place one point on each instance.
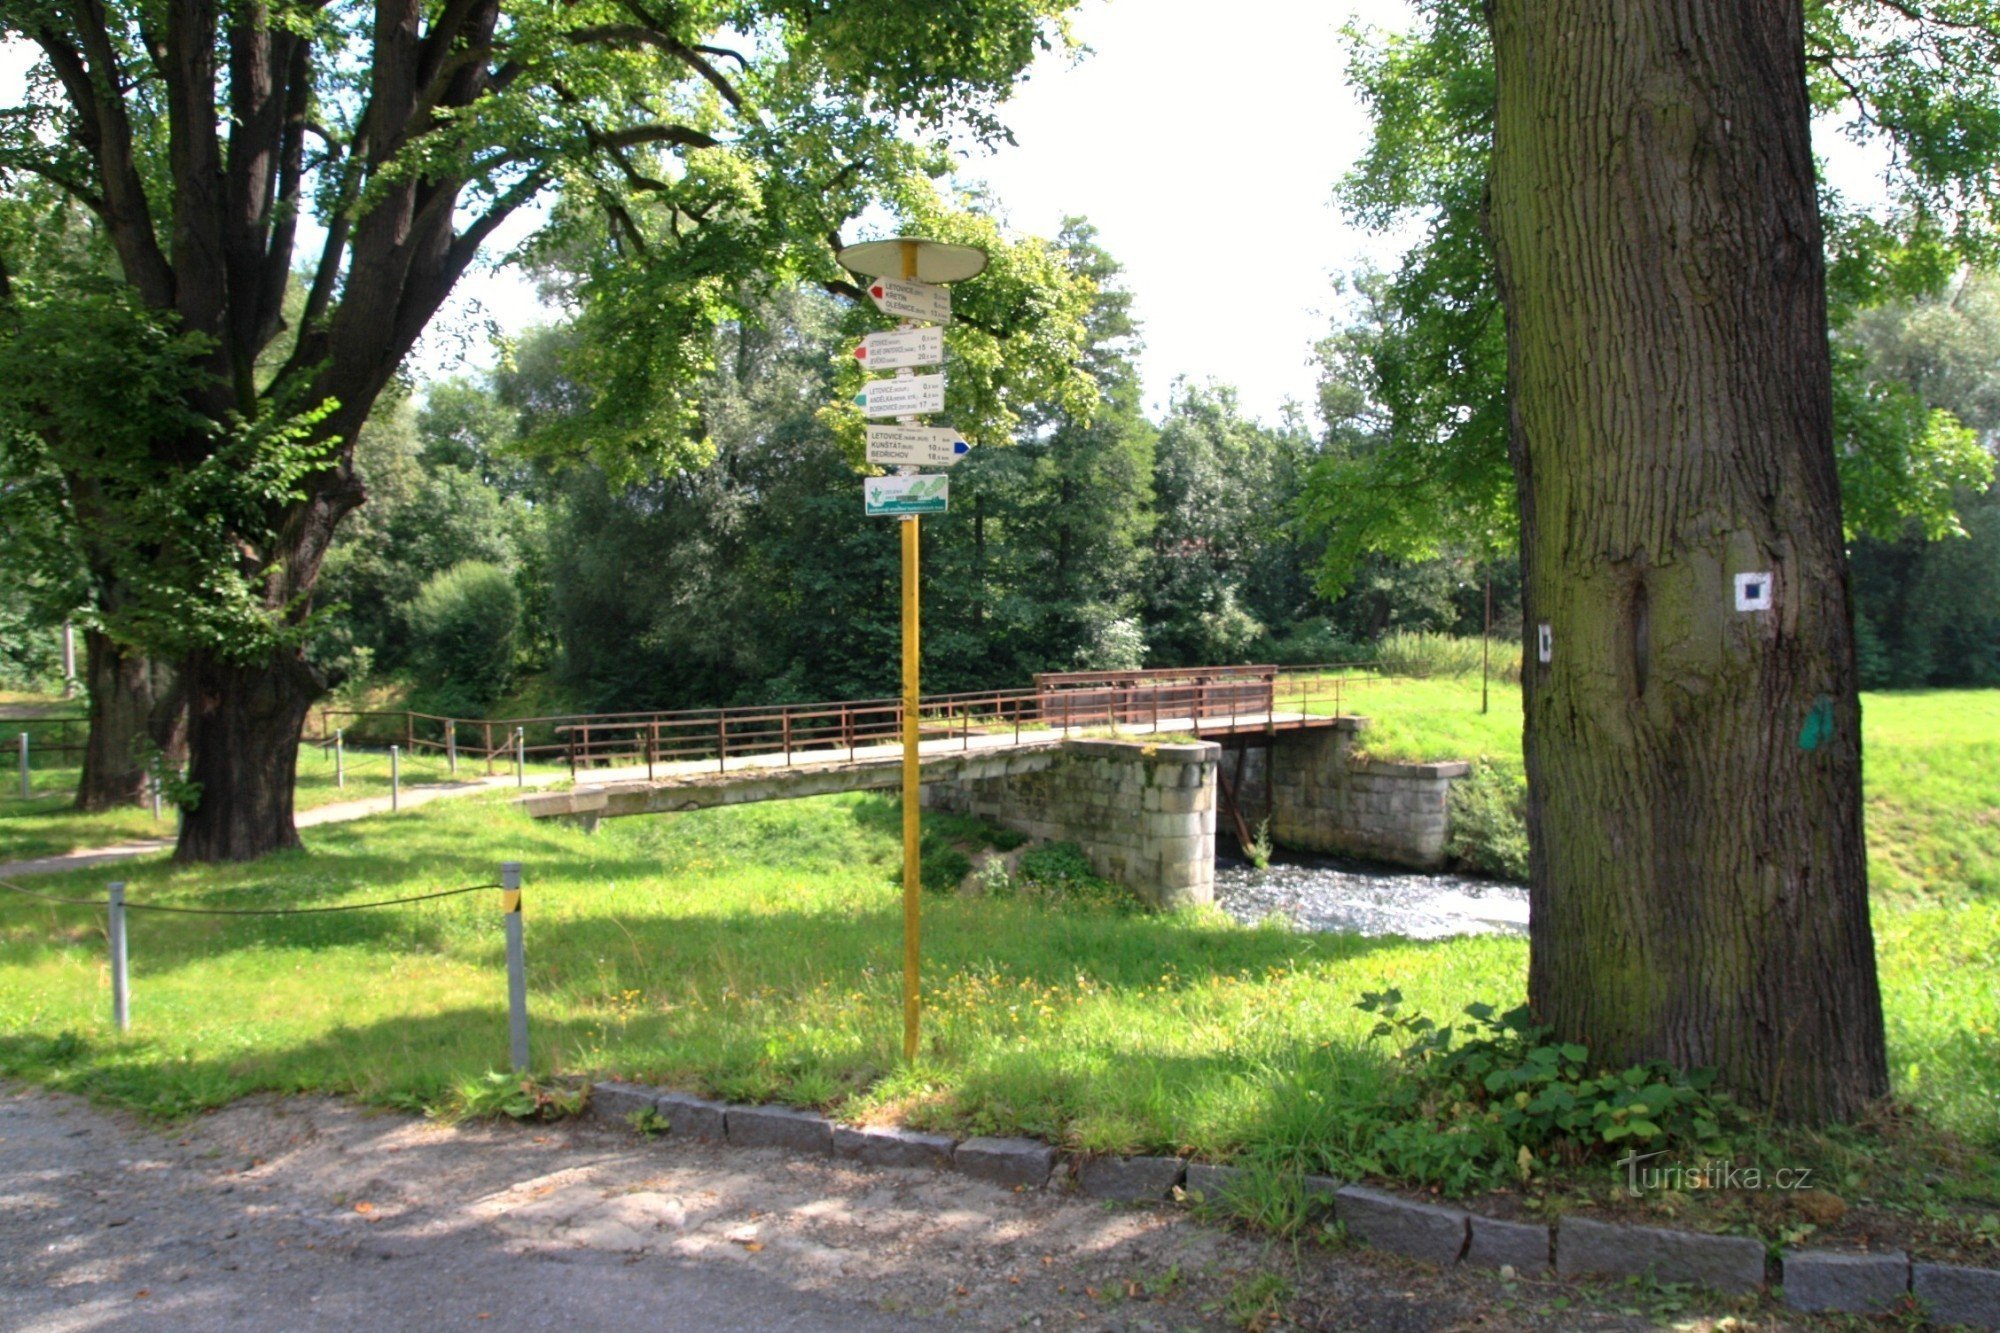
(1818, 729)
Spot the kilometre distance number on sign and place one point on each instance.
(915, 446)
(911, 300)
(904, 396)
(894, 349)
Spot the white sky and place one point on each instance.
(1204, 151)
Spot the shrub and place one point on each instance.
(1406, 653)
(463, 630)
(1496, 1097)
(1489, 820)
(1061, 873)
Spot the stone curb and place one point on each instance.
(1814, 1280)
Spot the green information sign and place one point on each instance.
(892, 497)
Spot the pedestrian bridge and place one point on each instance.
(1136, 767)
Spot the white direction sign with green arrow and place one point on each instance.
(893, 349)
(915, 446)
(904, 396)
(892, 497)
(911, 300)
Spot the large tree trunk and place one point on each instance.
(244, 721)
(132, 701)
(1699, 887)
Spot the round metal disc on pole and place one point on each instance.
(937, 261)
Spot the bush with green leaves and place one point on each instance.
(464, 626)
(1409, 653)
(1489, 820)
(1496, 1096)
(1061, 873)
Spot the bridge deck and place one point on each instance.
(740, 779)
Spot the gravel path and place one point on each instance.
(304, 1213)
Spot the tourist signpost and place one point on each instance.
(907, 278)
(906, 395)
(915, 446)
(893, 349)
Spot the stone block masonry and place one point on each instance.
(1144, 813)
(1324, 799)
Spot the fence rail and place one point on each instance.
(1208, 698)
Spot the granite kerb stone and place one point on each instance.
(1403, 1226)
(617, 1101)
(1130, 1179)
(1614, 1249)
(692, 1117)
(1521, 1246)
(779, 1127)
(1829, 1281)
(1956, 1295)
(1025, 1163)
(888, 1146)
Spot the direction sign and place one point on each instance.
(896, 348)
(911, 300)
(920, 446)
(889, 497)
(903, 396)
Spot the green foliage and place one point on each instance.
(1413, 377)
(944, 868)
(1497, 1096)
(462, 631)
(1404, 653)
(1489, 820)
(1259, 849)
(494, 1095)
(1060, 874)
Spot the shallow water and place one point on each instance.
(1321, 894)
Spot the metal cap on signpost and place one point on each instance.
(909, 277)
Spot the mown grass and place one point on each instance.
(47, 824)
(754, 953)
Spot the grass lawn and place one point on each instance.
(47, 825)
(754, 953)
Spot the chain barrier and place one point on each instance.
(245, 911)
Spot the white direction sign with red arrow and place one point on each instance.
(911, 300)
(904, 396)
(915, 446)
(895, 348)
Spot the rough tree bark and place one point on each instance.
(131, 697)
(243, 725)
(1699, 886)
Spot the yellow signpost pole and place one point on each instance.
(913, 815)
(917, 296)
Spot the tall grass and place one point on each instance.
(1424, 655)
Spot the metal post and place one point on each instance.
(913, 873)
(517, 966)
(486, 731)
(340, 758)
(69, 660)
(1486, 643)
(154, 783)
(27, 787)
(121, 1005)
(395, 777)
(451, 745)
(520, 756)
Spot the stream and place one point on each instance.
(1317, 893)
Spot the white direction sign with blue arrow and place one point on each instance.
(892, 349)
(915, 446)
(911, 300)
(904, 396)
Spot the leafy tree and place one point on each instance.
(462, 630)
(731, 137)
(1698, 885)
(1413, 382)
(1220, 483)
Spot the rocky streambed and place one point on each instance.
(1321, 893)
